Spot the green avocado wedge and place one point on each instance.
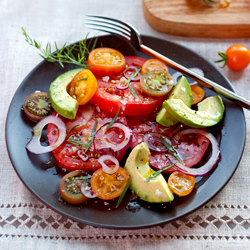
(181, 90)
(156, 190)
(210, 112)
(61, 101)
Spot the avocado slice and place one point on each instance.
(210, 112)
(181, 90)
(156, 190)
(61, 101)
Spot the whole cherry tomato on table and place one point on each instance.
(237, 57)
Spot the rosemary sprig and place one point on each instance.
(114, 119)
(91, 137)
(128, 82)
(123, 193)
(168, 146)
(155, 174)
(72, 129)
(63, 55)
(83, 79)
(75, 142)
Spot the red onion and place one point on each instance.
(101, 142)
(82, 155)
(177, 74)
(121, 84)
(130, 70)
(154, 142)
(212, 162)
(108, 169)
(86, 188)
(34, 144)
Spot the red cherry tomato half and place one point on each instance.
(109, 186)
(70, 187)
(181, 184)
(105, 61)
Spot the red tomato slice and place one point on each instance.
(67, 154)
(110, 98)
(190, 147)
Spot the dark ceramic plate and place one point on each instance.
(41, 176)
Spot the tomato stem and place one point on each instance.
(224, 59)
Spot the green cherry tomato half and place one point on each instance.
(156, 82)
(70, 187)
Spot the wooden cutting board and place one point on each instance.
(194, 18)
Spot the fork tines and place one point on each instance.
(109, 25)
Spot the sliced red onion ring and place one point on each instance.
(108, 169)
(177, 74)
(86, 188)
(122, 84)
(34, 145)
(154, 142)
(100, 139)
(82, 155)
(210, 164)
(130, 70)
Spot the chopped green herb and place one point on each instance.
(172, 150)
(114, 119)
(91, 137)
(72, 129)
(128, 82)
(123, 193)
(152, 176)
(207, 2)
(77, 143)
(83, 79)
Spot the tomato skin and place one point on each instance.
(181, 184)
(83, 86)
(105, 61)
(154, 64)
(66, 191)
(109, 186)
(109, 98)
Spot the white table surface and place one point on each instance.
(25, 223)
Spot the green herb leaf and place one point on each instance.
(128, 82)
(63, 55)
(168, 146)
(123, 193)
(114, 119)
(91, 137)
(207, 2)
(83, 79)
(72, 129)
(155, 174)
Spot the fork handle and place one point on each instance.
(200, 79)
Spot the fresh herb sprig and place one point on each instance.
(129, 80)
(63, 55)
(123, 193)
(155, 174)
(168, 146)
(114, 119)
(91, 137)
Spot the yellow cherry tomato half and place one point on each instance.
(198, 94)
(83, 86)
(154, 64)
(106, 61)
(181, 184)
